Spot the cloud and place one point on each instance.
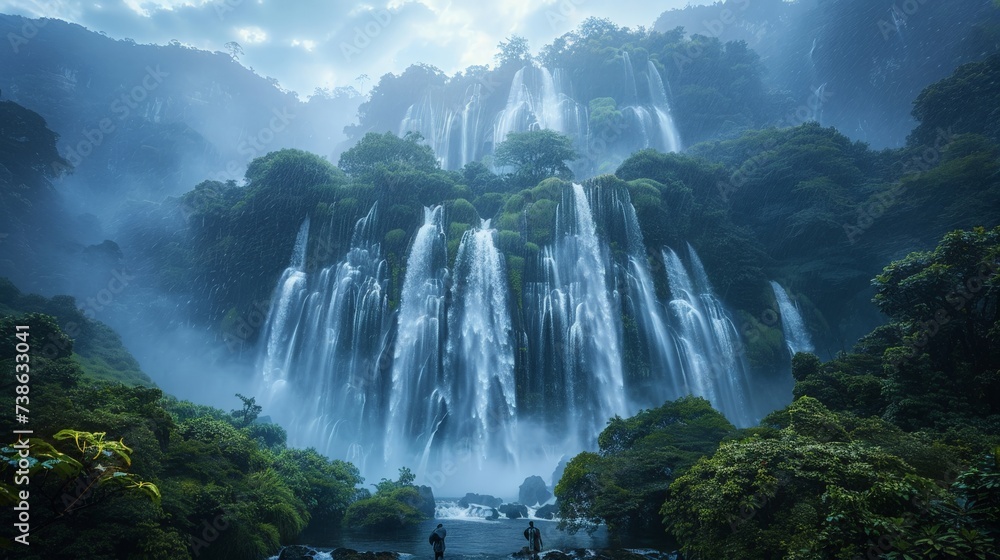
(309, 44)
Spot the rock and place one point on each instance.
(427, 505)
(560, 468)
(296, 552)
(547, 554)
(606, 554)
(348, 554)
(547, 511)
(481, 499)
(494, 514)
(514, 511)
(533, 491)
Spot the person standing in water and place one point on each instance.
(534, 537)
(437, 541)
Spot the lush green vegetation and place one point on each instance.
(90, 343)
(121, 469)
(395, 504)
(890, 450)
(623, 485)
(535, 156)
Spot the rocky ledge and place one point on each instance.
(296, 552)
(588, 554)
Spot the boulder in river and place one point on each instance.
(514, 511)
(297, 552)
(426, 505)
(348, 554)
(547, 511)
(481, 499)
(533, 491)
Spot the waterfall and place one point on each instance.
(670, 138)
(464, 119)
(279, 329)
(471, 119)
(575, 327)
(453, 133)
(631, 91)
(712, 365)
(796, 335)
(467, 375)
(650, 121)
(613, 208)
(539, 99)
(322, 338)
(419, 397)
(480, 358)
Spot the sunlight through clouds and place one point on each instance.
(252, 34)
(306, 44)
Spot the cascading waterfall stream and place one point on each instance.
(712, 364)
(669, 135)
(460, 129)
(572, 329)
(323, 336)
(287, 299)
(651, 122)
(616, 212)
(539, 99)
(796, 335)
(419, 397)
(465, 373)
(480, 361)
(455, 135)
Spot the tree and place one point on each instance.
(513, 51)
(243, 417)
(234, 49)
(396, 504)
(820, 486)
(536, 155)
(936, 110)
(625, 483)
(388, 151)
(942, 365)
(327, 487)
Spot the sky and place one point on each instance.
(306, 44)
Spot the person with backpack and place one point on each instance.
(437, 541)
(534, 537)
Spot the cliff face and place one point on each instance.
(147, 121)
